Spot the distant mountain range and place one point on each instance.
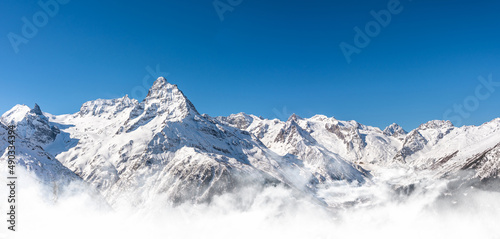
(162, 149)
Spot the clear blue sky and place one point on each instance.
(264, 56)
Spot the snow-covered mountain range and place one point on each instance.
(162, 149)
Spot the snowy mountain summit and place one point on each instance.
(162, 149)
(394, 130)
(31, 123)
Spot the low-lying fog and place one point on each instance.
(374, 210)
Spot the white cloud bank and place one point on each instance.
(371, 211)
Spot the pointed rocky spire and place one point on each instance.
(293, 117)
(164, 99)
(36, 110)
(157, 88)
